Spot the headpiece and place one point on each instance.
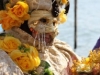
(15, 12)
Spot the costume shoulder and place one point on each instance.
(65, 48)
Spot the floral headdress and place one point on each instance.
(14, 16)
(17, 11)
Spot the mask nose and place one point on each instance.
(40, 28)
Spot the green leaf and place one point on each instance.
(44, 64)
(33, 72)
(23, 48)
(26, 49)
(48, 72)
(2, 34)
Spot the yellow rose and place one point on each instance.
(9, 44)
(23, 60)
(25, 17)
(8, 23)
(33, 51)
(14, 16)
(2, 14)
(62, 16)
(1, 41)
(35, 55)
(20, 9)
(64, 1)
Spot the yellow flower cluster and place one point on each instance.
(14, 16)
(62, 16)
(95, 56)
(84, 65)
(9, 44)
(88, 64)
(64, 1)
(26, 60)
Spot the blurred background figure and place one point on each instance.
(97, 45)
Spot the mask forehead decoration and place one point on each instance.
(42, 21)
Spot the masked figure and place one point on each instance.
(30, 28)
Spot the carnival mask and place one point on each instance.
(43, 26)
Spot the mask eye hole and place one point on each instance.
(44, 20)
(53, 23)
